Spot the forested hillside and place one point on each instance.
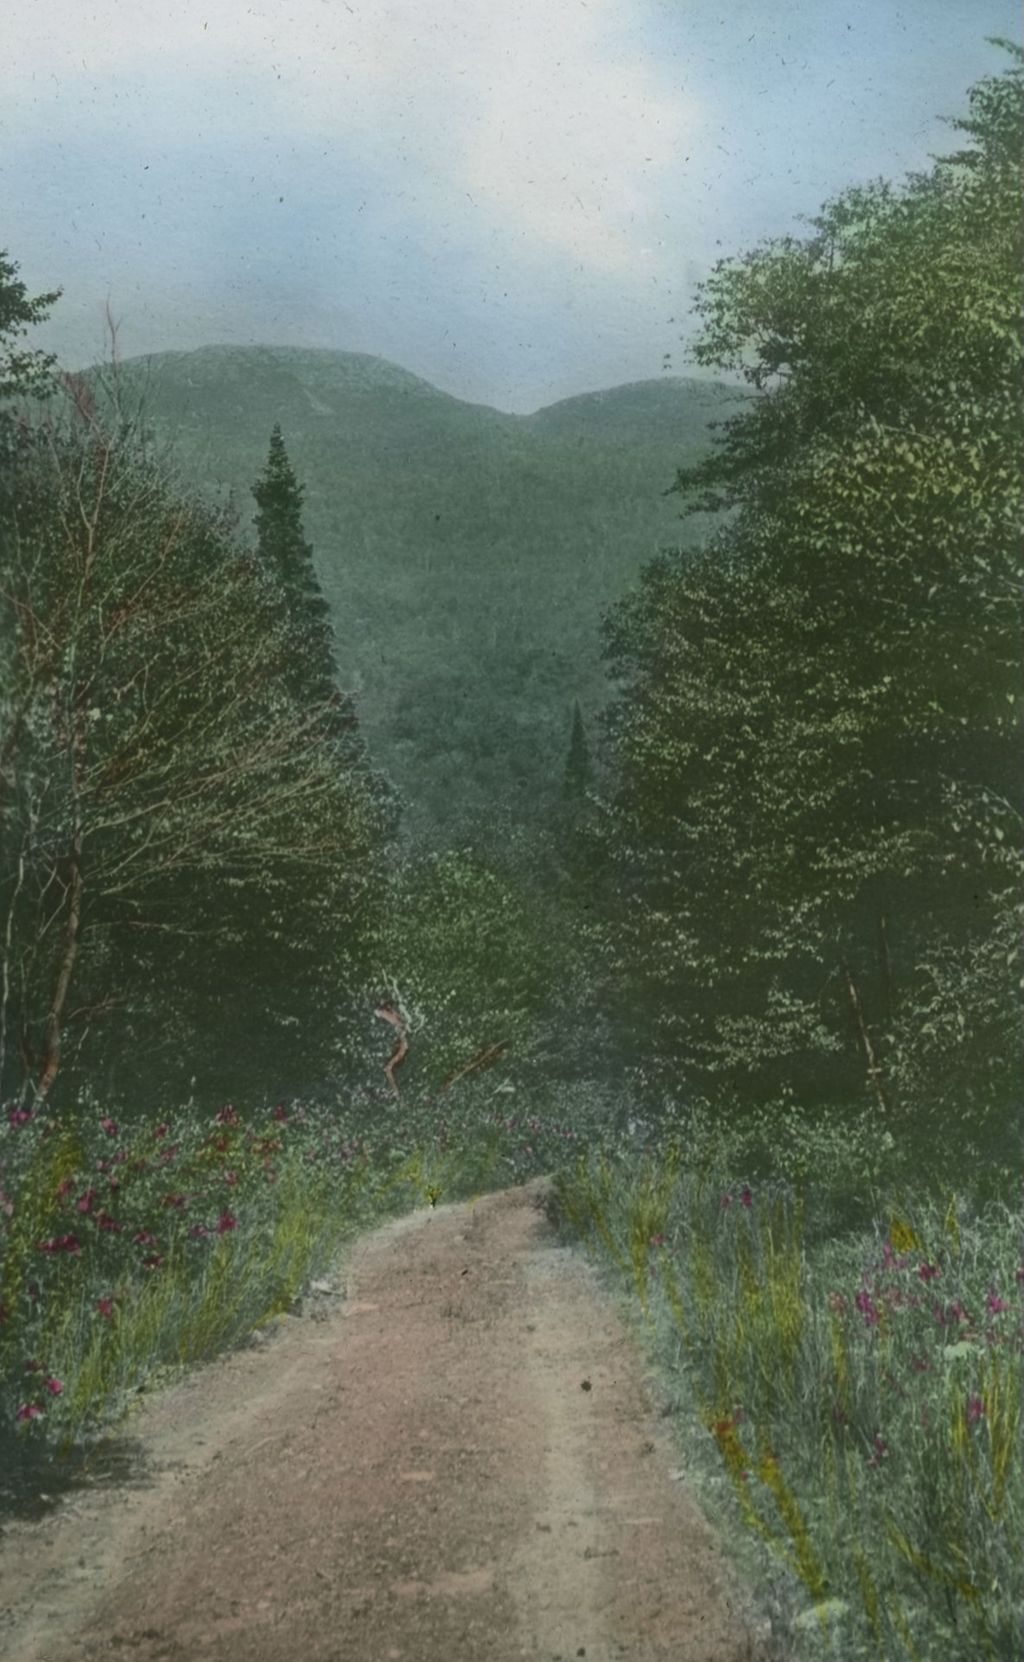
(467, 555)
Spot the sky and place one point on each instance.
(514, 199)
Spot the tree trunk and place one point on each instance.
(69, 952)
(885, 964)
(875, 1077)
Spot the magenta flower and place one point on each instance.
(105, 1305)
(61, 1243)
(928, 1272)
(975, 1410)
(20, 1116)
(746, 1198)
(226, 1222)
(996, 1304)
(29, 1411)
(281, 1112)
(890, 1259)
(85, 1202)
(867, 1307)
(109, 1126)
(161, 1132)
(54, 1386)
(108, 1224)
(153, 1262)
(143, 1237)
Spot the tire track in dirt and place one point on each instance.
(459, 1461)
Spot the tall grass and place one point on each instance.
(859, 1393)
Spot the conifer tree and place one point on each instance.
(578, 769)
(283, 550)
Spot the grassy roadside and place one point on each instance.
(849, 1401)
(129, 1253)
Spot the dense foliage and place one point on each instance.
(189, 861)
(815, 825)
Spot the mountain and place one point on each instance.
(468, 555)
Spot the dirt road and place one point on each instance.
(451, 1457)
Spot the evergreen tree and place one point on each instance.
(578, 770)
(310, 672)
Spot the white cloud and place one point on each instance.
(541, 124)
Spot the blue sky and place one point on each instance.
(512, 198)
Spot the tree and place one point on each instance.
(21, 371)
(189, 875)
(817, 802)
(283, 549)
(578, 769)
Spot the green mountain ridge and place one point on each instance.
(467, 554)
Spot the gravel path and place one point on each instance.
(451, 1456)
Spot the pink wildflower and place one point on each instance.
(975, 1410)
(20, 1116)
(29, 1411)
(108, 1224)
(746, 1198)
(928, 1272)
(54, 1386)
(105, 1305)
(161, 1132)
(867, 1307)
(85, 1202)
(226, 1222)
(109, 1126)
(996, 1304)
(153, 1262)
(61, 1243)
(143, 1237)
(281, 1112)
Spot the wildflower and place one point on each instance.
(996, 1304)
(975, 1410)
(105, 1305)
(928, 1272)
(746, 1198)
(109, 1126)
(54, 1386)
(226, 1222)
(153, 1262)
(143, 1237)
(890, 1259)
(227, 1116)
(29, 1411)
(867, 1307)
(108, 1224)
(61, 1243)
(161, 1132)
(20, 1116)
(281, 1112)
(85, 1202)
